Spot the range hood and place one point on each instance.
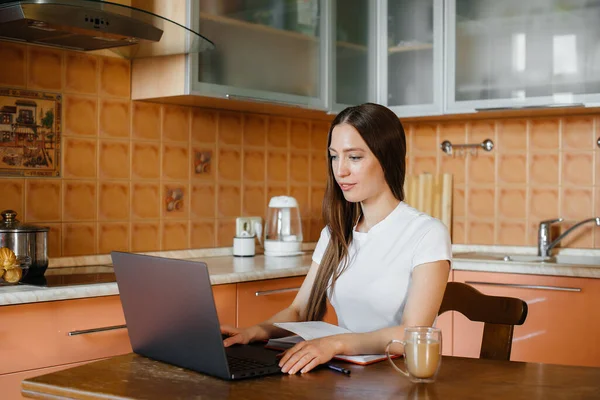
(88, 25)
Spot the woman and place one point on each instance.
(382, 264)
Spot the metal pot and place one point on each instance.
(25, 240)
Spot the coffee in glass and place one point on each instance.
(422, 353)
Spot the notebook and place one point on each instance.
(171, 317)
(315, 330)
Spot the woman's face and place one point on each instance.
(355, 168)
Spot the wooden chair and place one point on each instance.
(499, 315)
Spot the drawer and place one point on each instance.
(37, 335)
(260, 300)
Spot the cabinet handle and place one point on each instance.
(519, 286)
(259, 100)
(276, 291)
(94, 330)
(570, 105)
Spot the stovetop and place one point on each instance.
(56, 277)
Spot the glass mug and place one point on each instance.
(422, 353)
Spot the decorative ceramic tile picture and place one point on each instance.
(174, 199)
(30, 132)
(202, 162)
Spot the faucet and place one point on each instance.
(544, 244)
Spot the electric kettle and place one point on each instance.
(283, 227)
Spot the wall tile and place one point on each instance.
(43, 200)
(458, 231)
(302, 196)
(318, 167)
(458, 201)
(204, 163)
(175, 235)
(481, 170)
(543, 204)
(543, 169)
(145, 236)
(316, 201)
(255, 130)
(44, 68)
(512, 135)
(512, 168)
(79, 200)
(113, 201)
(316, 226)
(113, 236)
(78, 239)
(254, 200)
(229, 201)
(276, 189)
(576, 203)
(204, 126)
(423, 164)
(115, 77)
(425, 139)
(13, 66)
(145, 121)
(79, 158)
(176, 124)
(278, 132)
(81, 115)
(230, 128)
(578, 168)
(230, 164)
(145, 200)
(452, 165)
(175, 162)
(114, 118)
(114, 159)
(578, 133)
(478, 131)
(202, 234)
(456, 133)
(175, 200)
(254, 165)
(543, 134)
(300, 134)
(511, 233)
(583, 237)
(481, 203)
(145, 160)
(480, 232)
(277, 166)
(13, 196)
(202, 201)
(319, 131)
(225, 232)
(299, 167)
(512, 203)
(54, 239)
(81, 73)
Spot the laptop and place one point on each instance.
(171, 317)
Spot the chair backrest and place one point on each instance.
(499, 315)
(431, 194)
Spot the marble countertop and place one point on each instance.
(224, 268)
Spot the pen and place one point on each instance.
(338, 369)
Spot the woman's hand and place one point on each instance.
(307, 355)
(236, 336)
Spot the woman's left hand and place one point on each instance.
(305, 356)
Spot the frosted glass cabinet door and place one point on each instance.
(414, 56)
(264, 50)
(354, 52)
(514, 53)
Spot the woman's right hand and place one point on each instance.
(236, 335)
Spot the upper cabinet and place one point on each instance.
(266, 50)
(517, 53)
(411, 69)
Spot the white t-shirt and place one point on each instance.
(371, 293)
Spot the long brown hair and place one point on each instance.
(381, 129)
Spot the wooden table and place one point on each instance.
(134, 377)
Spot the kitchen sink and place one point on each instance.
(561, 259)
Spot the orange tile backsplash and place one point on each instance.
(127, 163)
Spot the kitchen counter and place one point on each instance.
(224, 269)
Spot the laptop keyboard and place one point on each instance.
(242, 364)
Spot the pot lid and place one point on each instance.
(10, 223)
(96, 24)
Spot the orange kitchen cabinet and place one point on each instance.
(260, 300)
(561, 325)
(225, 302)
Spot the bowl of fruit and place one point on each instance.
(12, 268)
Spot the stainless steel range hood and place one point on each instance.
(94, 25)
